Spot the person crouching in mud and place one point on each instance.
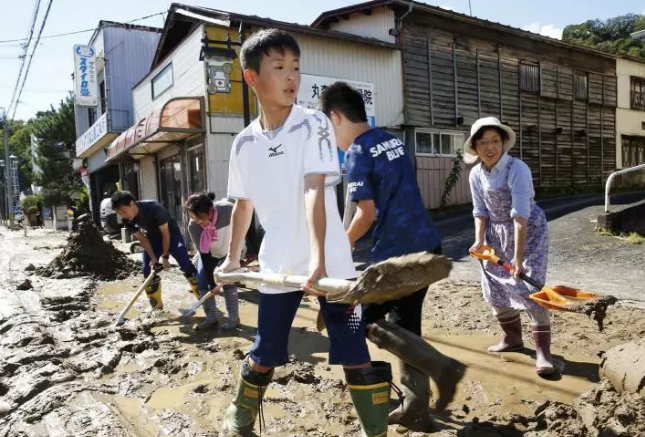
(159, 236)
(210, 231)
(508, 220)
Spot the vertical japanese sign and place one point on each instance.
(85, 84)
(312, 86)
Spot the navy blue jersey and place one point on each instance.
(379, 169)
(151, 216)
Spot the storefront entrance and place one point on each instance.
(196, 164)
(171, 192)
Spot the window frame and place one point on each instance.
(632, 150)
(580, 75)
(456, 141)
(523, 70)
(640, 81)
(157, 76)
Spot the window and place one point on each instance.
(438, 143)
(91, 116)
(103, 101)
(633, 151)
(580, 87)
(530, 78)
(397, 133)
(637, 94)
(196, 168)
(162, 81)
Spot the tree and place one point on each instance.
(612, 35)
(56, 133)
(20, 146)
(31, 206)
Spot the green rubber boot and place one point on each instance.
(239, 419)
(153, 291)
(370, 391)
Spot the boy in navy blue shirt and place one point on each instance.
(382, 183)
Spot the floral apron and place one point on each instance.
(499, 287)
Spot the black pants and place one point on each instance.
(407, 310)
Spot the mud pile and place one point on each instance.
(600, 412)
(624, 367)
(616, 407)
(87, 254)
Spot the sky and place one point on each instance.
(49, 77)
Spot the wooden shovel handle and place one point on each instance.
(324, 284)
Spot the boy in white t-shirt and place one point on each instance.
(285, 166)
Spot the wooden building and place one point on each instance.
(190, 105)
(558, 97)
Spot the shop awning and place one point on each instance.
(177, 120)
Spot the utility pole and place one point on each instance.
(7, 170)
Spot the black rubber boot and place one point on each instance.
(413, 413)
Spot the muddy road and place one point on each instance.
(66, 371)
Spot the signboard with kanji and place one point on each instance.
(85, 84)
(311, 86)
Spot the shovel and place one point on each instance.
(192, 310)
(381, 282)
(121, 319)
(214, 292)
(558, 298)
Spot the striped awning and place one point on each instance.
(177, 120)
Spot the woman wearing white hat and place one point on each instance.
(508, 220)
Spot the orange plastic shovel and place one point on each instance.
(558, 298)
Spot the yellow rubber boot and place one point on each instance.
(193, 284)
(153, 291)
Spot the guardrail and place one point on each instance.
(611, 177)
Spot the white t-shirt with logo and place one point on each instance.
(269, 169)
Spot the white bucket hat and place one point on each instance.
(470, 153)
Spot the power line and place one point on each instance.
(76, 32)
(25, 50)
(31, 57)
(38, 90)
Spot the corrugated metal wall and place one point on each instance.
(148, 178)
(188, 77)
(218, 147)
(361, 62)
(431, 176)
(377, 25)
(129, 54)
(218, 152)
